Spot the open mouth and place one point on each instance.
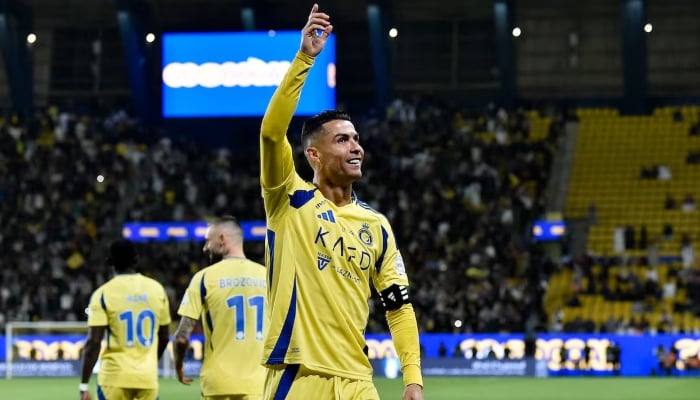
(355, 161)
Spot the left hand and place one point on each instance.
(311, 42)
(413, 392)
(182, 378)
(85, 395)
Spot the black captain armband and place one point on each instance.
(394, 297)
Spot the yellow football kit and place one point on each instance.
(320, 259)
(132, 307)
(229, 297)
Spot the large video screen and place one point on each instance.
(233, 74)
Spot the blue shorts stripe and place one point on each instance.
(100, 393)
(286, 381)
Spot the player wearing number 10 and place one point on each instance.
(229, 297)
(128, 308)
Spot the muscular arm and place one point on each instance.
(182, 343)
(275, 150)
(91, 351)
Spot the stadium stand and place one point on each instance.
(640, 273)
(494, 168)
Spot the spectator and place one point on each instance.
(688, 203)
(693, 157)
(664, 172)
(643, 238)
(670, 203)
(629, 238)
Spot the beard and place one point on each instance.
(215, 257)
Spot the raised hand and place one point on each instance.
(315, 32)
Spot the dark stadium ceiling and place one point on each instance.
(217, 14)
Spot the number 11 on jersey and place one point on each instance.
(257, 303)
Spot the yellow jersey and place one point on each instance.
(320, 257)
(132, 307)
(229, 297)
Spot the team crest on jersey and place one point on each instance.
(365, 235)
(322, 261)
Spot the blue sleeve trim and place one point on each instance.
(380, 260)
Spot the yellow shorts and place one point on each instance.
(234, 397)
(293, 382)
(119, 393)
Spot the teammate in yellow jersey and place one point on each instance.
(229, 297)
(135, 313)
(324, 246)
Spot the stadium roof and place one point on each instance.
(218, 14)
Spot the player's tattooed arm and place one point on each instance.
(182, 343)
(185, 329)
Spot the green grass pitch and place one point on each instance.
(435, 389)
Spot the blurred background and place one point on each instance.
(539, 160)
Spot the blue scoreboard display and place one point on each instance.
(234, 74)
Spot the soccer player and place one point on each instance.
(229, 297)
(324, 246)
(130, 308)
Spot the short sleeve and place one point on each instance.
(390, 269)
(191, 304)
(97, 310)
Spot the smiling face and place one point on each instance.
(335, 153)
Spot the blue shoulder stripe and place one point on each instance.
(202, 290)
(301, 197)
(367, 207)
(207, 315)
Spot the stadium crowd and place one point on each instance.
(460, 187)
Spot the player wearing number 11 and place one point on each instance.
(128, 308)
(229, 297)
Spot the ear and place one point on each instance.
(312, 155)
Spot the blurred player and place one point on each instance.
(131, 308)
(323, 248)
(229, 297)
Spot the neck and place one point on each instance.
(339, 195)
(234, 253)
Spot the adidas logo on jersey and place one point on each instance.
(326, 216)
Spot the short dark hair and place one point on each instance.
(226, 219)
(315, 124)
(122, 254)
(230, 223)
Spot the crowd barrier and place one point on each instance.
(443, 354)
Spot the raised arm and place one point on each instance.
(275, 150)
